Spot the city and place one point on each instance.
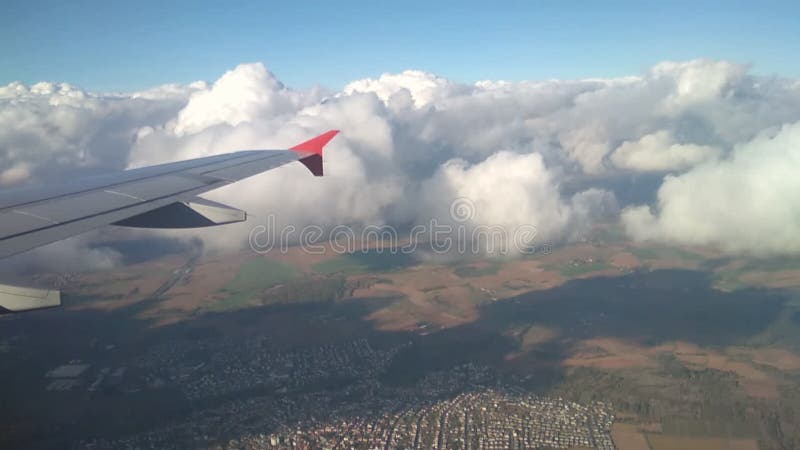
(332, 396)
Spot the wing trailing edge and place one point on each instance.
(195, 213)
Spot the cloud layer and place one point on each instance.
(724, 141)
(746, 203)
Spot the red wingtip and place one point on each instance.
(314, 149)
(316, 144)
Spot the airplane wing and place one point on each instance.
(162, 196)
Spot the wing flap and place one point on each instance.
(18, 299)
(196, 213)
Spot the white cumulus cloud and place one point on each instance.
(746, 203)
(412, 142)
(659, 152)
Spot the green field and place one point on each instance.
(569, 270)
(253, 277)
(611, 234)
(775, 264)
(364, 262)
(728, 280)
(664, 253)
(466, 271)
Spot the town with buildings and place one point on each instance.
(251, 395)
(487, 419)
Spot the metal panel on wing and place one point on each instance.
(80, 205)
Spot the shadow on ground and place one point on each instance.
(649, 307)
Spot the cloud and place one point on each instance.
(746, 203)
(15, 174)
(412, 142)
(53, 131)
(508, 190)
(382, 165)
(409, 88)
(241, 95)
(72, 255)
(659, 152)
(698, 80)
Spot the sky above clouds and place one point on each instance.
(126, 46)
(689, 117)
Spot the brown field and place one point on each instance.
(778, 358)
(436, 294)
(424, 294)
(670, 442)
(108, 290)
(530, 338)
(625, 260)
(536, 335)
(785, 279)
(515, 277)
(777, 279)
(202, 286)
(742, 444)
(612, 353)
(627, 436)
(755, 382)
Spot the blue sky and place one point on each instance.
(120, 45)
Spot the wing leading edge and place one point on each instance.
(161, 196)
